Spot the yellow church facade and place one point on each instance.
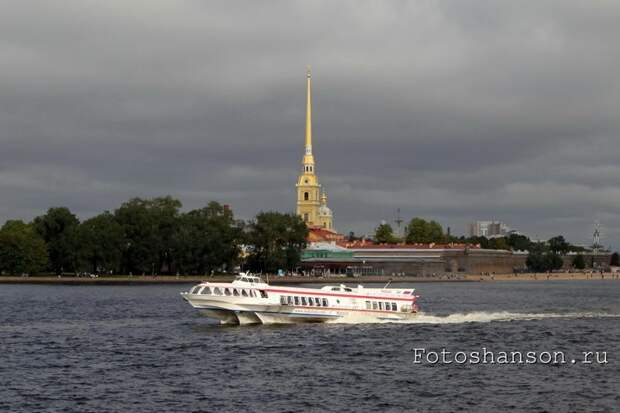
(311, 200)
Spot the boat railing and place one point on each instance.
(249, 278)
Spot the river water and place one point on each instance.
(141, 348)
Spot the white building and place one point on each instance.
(488, 229)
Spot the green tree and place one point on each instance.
(519, 242)
(139, 236)
(615, 260)
(100, 242)
(578, 262)
(22, 250)
(149, 227)
(535, 261)
(166, 215)
(385, 235)
(58, 228)
(541, 260)
(553, 261)
(559, 245)
(482, 241)
(207, 239)
(275, 241)
(421, 231)
(498, 244)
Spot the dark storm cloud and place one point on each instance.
(455, 110)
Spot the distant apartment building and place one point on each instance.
(488, 229)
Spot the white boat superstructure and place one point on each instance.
(249, 300)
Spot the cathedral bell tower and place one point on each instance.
(311, 205)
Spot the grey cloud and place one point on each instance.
(451, 110)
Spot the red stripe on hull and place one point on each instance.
(321, 293)
(350, 309)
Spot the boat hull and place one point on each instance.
(285, 315)
(253, 314)
(229, 315)
(223, 316)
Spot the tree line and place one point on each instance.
(542, 257)
(152, 236)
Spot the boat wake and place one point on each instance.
(480, 317)
(487, 317)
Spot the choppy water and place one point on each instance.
(141, 348)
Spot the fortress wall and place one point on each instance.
(471, 261)
(599, 260)
(420, 263)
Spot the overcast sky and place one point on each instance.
(451, 110)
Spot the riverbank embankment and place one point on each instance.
(171, 279)
(166, 279)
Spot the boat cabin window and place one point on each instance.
(374, 305)
(217, 291)
(335, 288)
(367, 305)
(348, 289)
(236, 292)
(226, 291)
(296, 300)
(380, 305)
(244, 293)
(283, 300)
(317, 301)
(206, 290)
(311, 301)
(303, 301)
(263, 293)
(387, 306)
(393, 306)
(325, 302)
(194, 290)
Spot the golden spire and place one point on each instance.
(308, 112)
(308, 158)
